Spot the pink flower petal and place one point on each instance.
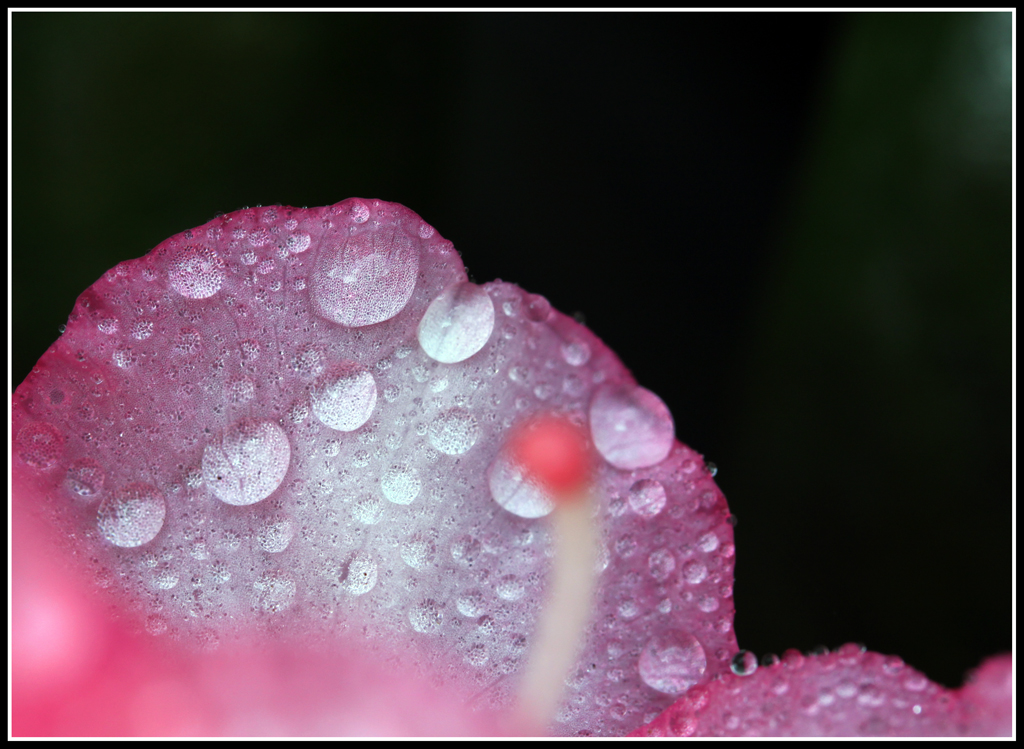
(844, 693)
(326, 477)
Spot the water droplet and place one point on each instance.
(308, 362)
(275, 538)
(708, 542)
(792, 659)
(457, 323)
(426, 617)
(661, 564)
(707, 604)
(672, 662)
(40, 445)
(85, 478)
(362, 574)
(125, 357)
(249, 349)
(682, 725)
(240, 390)
(769, 659)
(108, 325)
(466, 550)
(196, 272)
(274, 592)
(364, 279)
(647, 498)
(694, 572)
(297, 243)
(632, 428)
(915, 682)
(401, 484)
(846, 689)
(141, 330)
(513, 492)
(359, 212)
(418, 552)
(576, 353)
(133, 516)
(870, 695)
(454, 431)
(156, 625)
(368, 509)
(510, 588)
(188, 342)
(345, 396)
(477, 656)
(538, 309)
(165, 579)
(471, 604)
(248, 463)
(744, 663)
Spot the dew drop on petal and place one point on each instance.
(248, 463)
(362, 574)
(400, 484)
(273, 592)
(576, 353)
(672, 662)
(275, 537)
(471, 604)
(457, 323)
(744, 663)
(133, 516)
(647, 498)
(364, 279)
(632, 428)
(196, 272)
(345, 396)
(426, 616)
(85, 478)
(40, 445)
(297, 243)
(514, 492)
(454, 432)
(368, 509)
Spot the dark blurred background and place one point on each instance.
(795, 228)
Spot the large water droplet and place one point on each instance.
(133, 516)
(672, 662)
(345, 396)
(512, 491)
(457, 323)
(454, 431)
(248, 463)
(647, 498)
(196, 272)
(631, 426)
(401, 484)
(364, 279)
(40, 445)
